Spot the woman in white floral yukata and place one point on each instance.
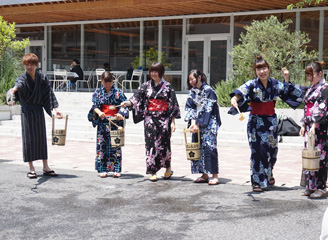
(155, 102)
(202, 113)
(315, 120)
(262, 129)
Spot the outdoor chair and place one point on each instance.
(99, 71)
(135, 78)
(60, 80)
(84, 81)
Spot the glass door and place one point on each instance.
(37, 47)
(209, 55)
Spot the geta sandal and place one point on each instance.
(117, 175)
(50, 173)
(256, 188)
(307, 192)
(201, 180)
(103, 174)
(168, 175)
(153, 178)
(214, 181)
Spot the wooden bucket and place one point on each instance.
(117, 135)
(311, 155)
(59, 135)
(192, 149)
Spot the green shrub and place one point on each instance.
(277, 45)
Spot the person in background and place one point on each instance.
(262, 129)
(155, 102)
(315, 120)
(202, 113)
(106, 101)
(78, 72)
(33, 91)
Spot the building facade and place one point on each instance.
(201, 41)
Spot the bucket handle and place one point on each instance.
(185, 130)
(311, 141)
(109, 118)
(53, 121)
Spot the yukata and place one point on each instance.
(262, 127)
(34, 96)
(108, 158)
(156, 105)
(202, 106)
(315, 111)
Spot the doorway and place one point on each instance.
(209, 55)
(38, 48)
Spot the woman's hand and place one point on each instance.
(193, 127)
(302, 131)
(126, 104)
(285, 73)
(234, 100)
(312, 130)
(119, 116)
(102, 115)
(58, 113)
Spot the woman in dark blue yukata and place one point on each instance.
(202, 113)
(105, 101)
(262, 129)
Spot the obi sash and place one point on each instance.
(157, 105)
(108, 112)
(263, 108)
(309, 105)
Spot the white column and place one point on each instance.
(82, 47)
(141, 43)
(321, 34)
(160, 39)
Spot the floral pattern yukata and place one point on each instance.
(262, 130)
(202, 106)
(157, 123)
(108, 159)
(315, 110)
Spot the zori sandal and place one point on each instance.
(168, 175)
(117, 174)
(320, 193)
(31, 175)
(201, 180)
(214, 181)
(307, 192)
(50, 173)
(256, 188)
(153, 178)
(103, 174)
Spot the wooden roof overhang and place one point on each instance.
(89, 10)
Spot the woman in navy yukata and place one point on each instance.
(105, 101)
(262, 128)
(202, 113)
(155, 102)
(315, 120)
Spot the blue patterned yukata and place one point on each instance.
(315, 110)
(262, 130)
(108, 158)
(202, 106)
(157, 123)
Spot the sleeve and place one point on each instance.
(174, 105)
(92, 116)
(138, 101)
(190, 109)
(319, 109)
(48, 96)
(291, 94)
(206, 109)
(123, 111)
(243, 91)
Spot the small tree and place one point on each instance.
(305, 2)
(151, 55)
(10, 54)
(276, 44)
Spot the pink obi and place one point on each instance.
(309, 105)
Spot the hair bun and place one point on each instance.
(322, 63)
(259, 57)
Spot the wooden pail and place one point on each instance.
(192, 149)
(311, 155)
(59, 135)
(117, 135)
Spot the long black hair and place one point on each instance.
(196, 73)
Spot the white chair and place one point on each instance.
(135, 78)
(84, 81)
(60, 80)
(99, 71)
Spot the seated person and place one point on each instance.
(78, 72)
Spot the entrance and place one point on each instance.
(38, 48)
(209, 55)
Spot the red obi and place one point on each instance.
(108, 111)
(309, 105)
(157, 105)
(263, 108)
